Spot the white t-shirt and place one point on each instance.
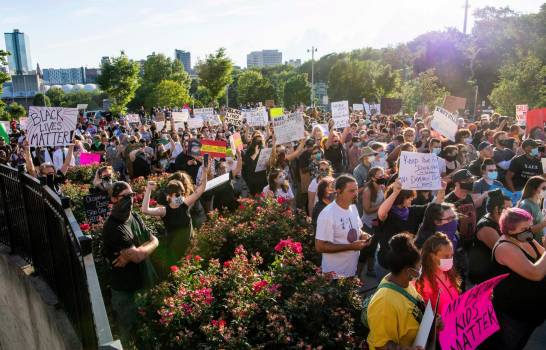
(313, 187)
(333, 225)
(288, 195)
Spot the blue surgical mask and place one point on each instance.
(436, 150)
(492, 175)
(381, 154)
(534, 152)
(468, 140)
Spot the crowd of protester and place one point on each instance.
(421, 246)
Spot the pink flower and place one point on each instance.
(153, 202)
(197, 258)
(241, 206)
(174, 268)
(258, 286)
(295, 247)
(227, 263)
(281, 200)
(221, 324)
(85, 227)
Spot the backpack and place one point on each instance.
(389, 285)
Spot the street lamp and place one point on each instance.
(474, 79)
(312, 50)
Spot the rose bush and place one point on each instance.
(237, 305)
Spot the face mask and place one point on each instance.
(331, 197)
(381, 181)
(106, 183)
(195, 151)
(323, 173)
(357, 144)
(543, 194)
(279, 180)
(419, 272)
(450, 229)
(50, 180)
(436, 150)
(177, 201)
(122, 209)
(524, 236)
(371, 158)
(467, 186)
(534, 152)
(451, 158)
(446, 264)
(318, 156)
(492, 175)
(381, 154)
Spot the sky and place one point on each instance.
(75, 33)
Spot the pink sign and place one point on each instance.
(89, 158)
(470, 319)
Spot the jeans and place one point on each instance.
(125, 309)
(380, 271)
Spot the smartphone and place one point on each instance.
(206, 160)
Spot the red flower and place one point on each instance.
(221, 324)
(293, 246)
(241, 206)
(174, 268)
(227, 263)
(85, 227)
(258, 286)
(153, 202)
(197, 258)
(281, 200)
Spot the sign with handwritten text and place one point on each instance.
(51, 126)
(340, 114)
(470, 319)
(289, 127)
(444, 122)
(419, 171)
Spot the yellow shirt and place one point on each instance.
(392, 317)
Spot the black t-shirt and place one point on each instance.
(224, 196)
(524, 167)
(335, 156)
(117, 236)
(467, 215)
(55, 182)
(141, 166)
(181, 163)
(393, 225)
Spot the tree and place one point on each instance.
(16, 111)
(297, 90)
(41, 100)
(215, 73)
(56, 96)
(424, 90)
(169, 93)
(520, 83)
(119, 79)
(3, 76)
(253, 87)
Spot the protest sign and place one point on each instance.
(181, 117)
(358, 107)
(160, 116)
(390, 106)
(375, 109)
(51, 126)
(133, 118)
(256, 117)
(81, 106)
(276, 112)
(203, 113)
(89, 158)
(263, 159)
(454, 103)
(534, 118)
(424, 328)
(521, 113)
(96, 207)
(419, 171)
(444, 122)
(288, 128)
(217, 181)
(233, 117)
(340, 114)
(237, 143)
(470, 319)
(323, 127)
(195, 123)
(270, 103)
(23, 123)
(216, 149)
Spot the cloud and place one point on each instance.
(85, 11)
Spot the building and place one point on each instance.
(17, 44)
(22, 88)
(294, 63)
(321, 93)
(264, 58)
(91, 75)
(61, 76)
(185, 58)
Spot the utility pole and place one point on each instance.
(313, 50)
(466, 6)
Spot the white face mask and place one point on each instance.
(279, 180)
(543, 194)
(415, 278)
(446, 264)
(177, 201)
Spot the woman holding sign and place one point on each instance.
(177, 220)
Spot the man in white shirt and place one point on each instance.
(339, 236)
(58, 158)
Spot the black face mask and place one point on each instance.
(50, 180)
(122, 209)
(381, 181)
(468, 186)
(450, 158)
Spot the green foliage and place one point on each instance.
(169, 93)
(119, 78)
(3, 78)
(353, 80)
(56, 96)
(425, 89)
(520, 83)
(15, 111)
(253, 87)
(59, 98)
(41, 100)
(215, 73)
(297, 90)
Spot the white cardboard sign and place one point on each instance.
(195, 123)
(419, 171)
(51, 126)
(288, 128)
(263, 159)
(340, 114)
(444, 122)
(256, 117)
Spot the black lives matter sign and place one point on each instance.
(51, 126)
(96, 207)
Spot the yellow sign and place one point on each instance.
(276, 112)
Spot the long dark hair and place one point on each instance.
(271, 180)
(432, 245)
(432, 213)
(370, 184)
(531, 187)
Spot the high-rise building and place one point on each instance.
(17, 44)
(61, 76)
(91, 75)
(185, 58)
(264, 58)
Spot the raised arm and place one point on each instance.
(68, 159)
(159, 211)
(385, 207)
(237, 171)
(192, 198)
(28, 160)
(297, 152)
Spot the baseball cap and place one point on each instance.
(530, 143)
(461, 175)
(367, 151)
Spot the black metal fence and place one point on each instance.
(40, 227)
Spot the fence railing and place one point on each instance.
(39, 226)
